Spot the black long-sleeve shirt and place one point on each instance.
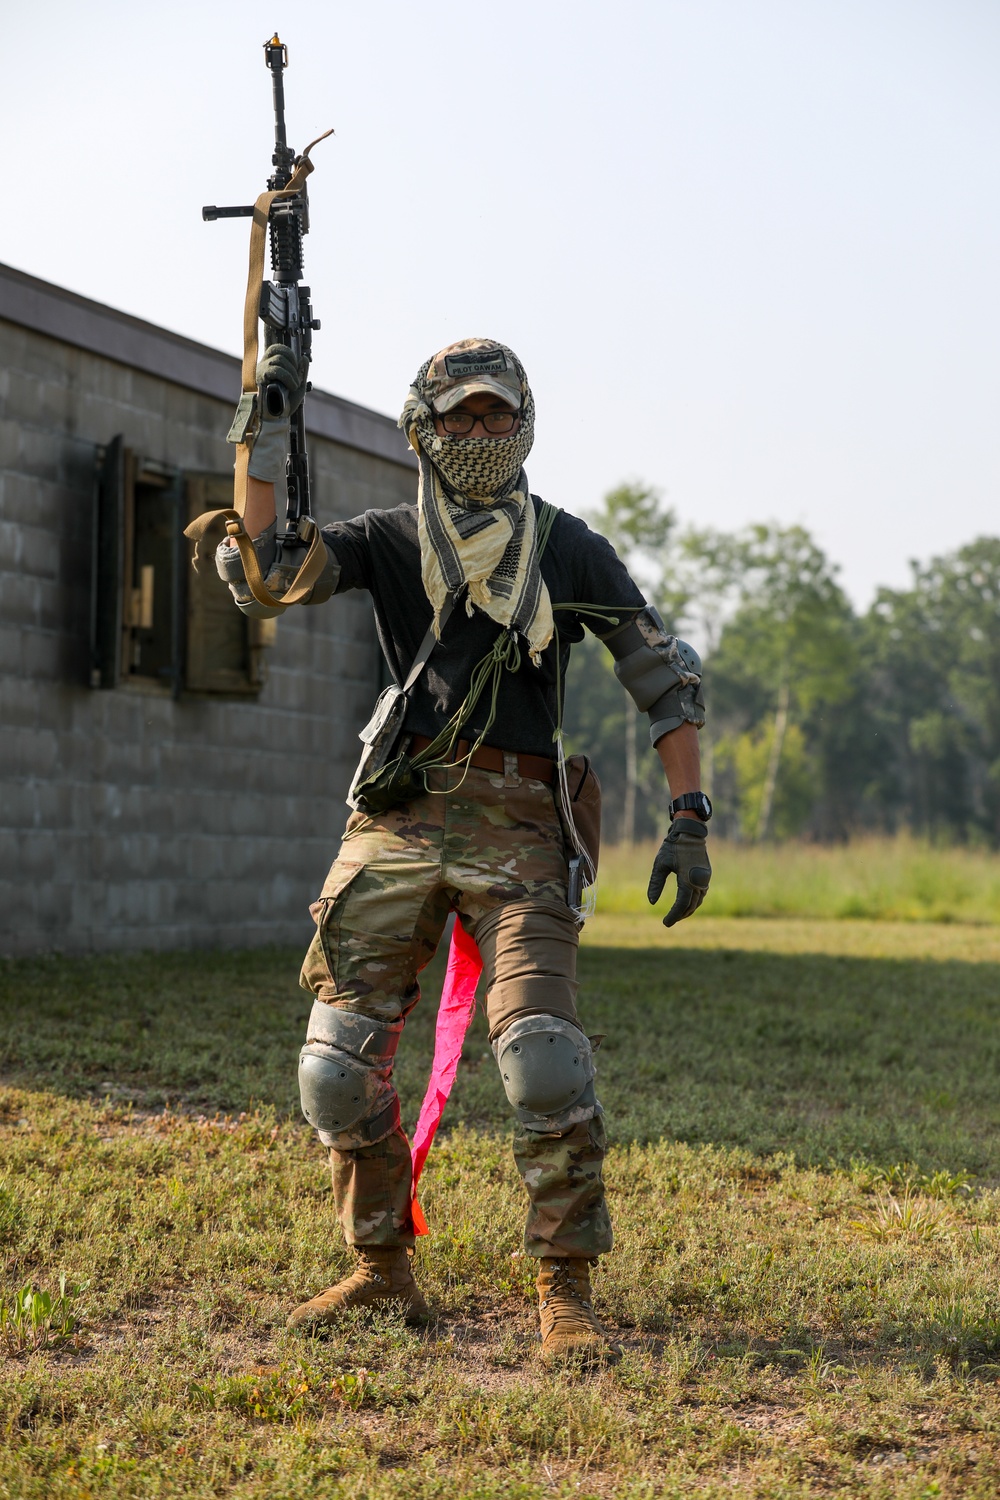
(380, 551)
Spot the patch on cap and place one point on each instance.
(461, 366)
(472, 366)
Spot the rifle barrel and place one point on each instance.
(278, 87)
(276, 57)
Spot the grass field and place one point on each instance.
(879, 879)
(805, 1176)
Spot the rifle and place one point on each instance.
(284, 305)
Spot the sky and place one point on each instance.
(747, 252)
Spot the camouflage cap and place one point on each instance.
(469, 366)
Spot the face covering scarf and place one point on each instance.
(476, 523)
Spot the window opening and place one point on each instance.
(150, 649)
(155, 623)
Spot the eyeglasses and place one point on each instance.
(496, 423)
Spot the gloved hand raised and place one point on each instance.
(683, 854)
(277, 367)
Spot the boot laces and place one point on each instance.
(564, 1280)
(370, 1268)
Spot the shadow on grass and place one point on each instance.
(825, 1057)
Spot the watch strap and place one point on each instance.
(696, 802)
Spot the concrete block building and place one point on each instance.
(171, 775)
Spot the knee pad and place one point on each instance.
(345, 1070)
(547, 1067)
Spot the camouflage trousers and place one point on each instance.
(468, 846)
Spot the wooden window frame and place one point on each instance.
(205, 645)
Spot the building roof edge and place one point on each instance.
(64, 315)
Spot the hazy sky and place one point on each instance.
(746, 249)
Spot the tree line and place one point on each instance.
(823, 722)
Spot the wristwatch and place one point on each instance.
(695, 802)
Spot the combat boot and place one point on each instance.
(570, 1331)
(383, 1279)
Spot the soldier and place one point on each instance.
(471, 587)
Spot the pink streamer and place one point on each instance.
(458, 1004)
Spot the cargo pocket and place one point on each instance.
(319, 969)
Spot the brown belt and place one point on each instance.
(488, 758)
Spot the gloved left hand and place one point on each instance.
(278, 366)
(683, 854)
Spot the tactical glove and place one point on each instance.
(683, 854)
(278, 366)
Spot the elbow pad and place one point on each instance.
(661, 673)
(682, 705)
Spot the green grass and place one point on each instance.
(804, 1178)
(881, 879)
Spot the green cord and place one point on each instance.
(506, 653)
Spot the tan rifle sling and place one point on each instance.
(315, 559)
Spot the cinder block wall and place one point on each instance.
(129, 820)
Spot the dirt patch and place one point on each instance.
(766, 1417)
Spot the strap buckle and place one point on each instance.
(245, 421)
